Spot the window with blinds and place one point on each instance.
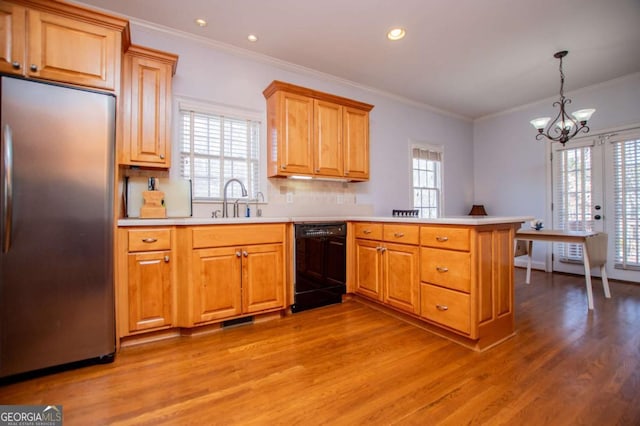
(572, 197)
(626, 170)
(427, 180)
(215, 148)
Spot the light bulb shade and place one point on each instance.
(583, 115)
(477, 210)
(568, 125)
(540, 123)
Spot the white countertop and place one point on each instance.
(454, 220)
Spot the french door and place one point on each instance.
(596, 187)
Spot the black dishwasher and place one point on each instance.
(320, 259)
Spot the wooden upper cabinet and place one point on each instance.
(146, 107)
(61, 42)
(356, 143)
(12, 37)
(316, 134)
(328, 138)
(296, 115)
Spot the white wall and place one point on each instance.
(510, 166)
(210, 73)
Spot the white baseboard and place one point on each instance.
(521, 262)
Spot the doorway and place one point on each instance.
(596, 187)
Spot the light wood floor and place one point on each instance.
(350, 365)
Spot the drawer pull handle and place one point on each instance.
(149, 240)
(366, 231)
(442, 239)
(442, 269)
(399, 234)
(442, 307)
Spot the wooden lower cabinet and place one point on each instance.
(230, 271)
(145, 292)
(217, 279)
(149, 290)
(402, 275)
(458, 282)
(368, 268)
(263, 284)
(388, 273)
(231, 281)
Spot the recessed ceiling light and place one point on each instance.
(252, 38)
(201, 22)
(397, 33)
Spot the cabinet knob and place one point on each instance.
(33, 67)
(149, 240)
(442, 239)
(442, 269)
(283, 167)
(245, 253)
(166, 259)
(442, 307)
(15, 65)
(238, 254)
(162, 156)
(383, 249)
(399, 234)
(366, 231)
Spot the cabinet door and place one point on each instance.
(147, 111)
(295, 144)
(13, 36)
(368, 269)
(216, 284)
(72, 51)
(402, 277)
(263, 279)
(149, 290)
(328, 138)
(356, 143)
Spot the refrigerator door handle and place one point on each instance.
(7, 182)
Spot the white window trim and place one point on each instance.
(185, 102)
(430, 147)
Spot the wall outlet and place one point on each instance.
(289, 197)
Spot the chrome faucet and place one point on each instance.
(225, 203)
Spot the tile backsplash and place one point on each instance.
(295, 198)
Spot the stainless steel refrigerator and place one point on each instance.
(56, 209)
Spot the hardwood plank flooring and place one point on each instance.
(350, 364)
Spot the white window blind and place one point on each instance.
(215, 148)
(626, 170)
(572, 197)
(427, 181)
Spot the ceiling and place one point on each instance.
(470, 58)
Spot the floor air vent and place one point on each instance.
(237, 321)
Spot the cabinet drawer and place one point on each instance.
(149, 239)
(406, 234)
(237, 235)
(448, 238)
(446, 307)
(447, 268)
(370, 231)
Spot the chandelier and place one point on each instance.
(563, 127)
